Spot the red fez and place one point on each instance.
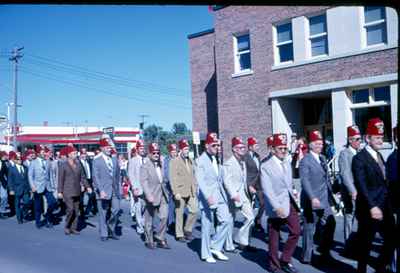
(315, 135)
(46, 149)
(104, 142)
(211, 138)
(237, 141)
(153, 147)
(29, 152)
(63, 151)
(183, 143)
(69, 149)
(23, 157)
(279, 140)
(270, 140)
(12, 155)
(39, 148)
(171, 147)
(251, 141)
(375, 127)
(133, 150)
(2, 153)
(139, 143)
(353, 131)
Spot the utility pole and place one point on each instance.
(14, 58)
(141, 124)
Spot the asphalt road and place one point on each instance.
(25, 249)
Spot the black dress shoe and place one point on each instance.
(150, 245)
(326, 259)
(112, 236)
(234, 251)
(3, 216)
(181, 240)
(103, 239)
(163, 244)
(288, 268)
(49, 225)
(75, 232)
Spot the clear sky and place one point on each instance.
(100, 65)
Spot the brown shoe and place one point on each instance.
(163, 244)
(188, 236)
(75, 232)
(67, 231)
(149, 245)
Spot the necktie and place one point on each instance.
(187, 164)
(142, 159)
(321, 162)
(43, 164)
(21, 170)
(381, 165)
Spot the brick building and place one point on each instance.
(267, 69)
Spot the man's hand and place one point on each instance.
(210, 201)
(280, 212)
(315, 203)
(252, 190)
(150, 199)
(236, 198)
(177, 197)
(60, 195)
(89, 190)
(354, 196)
(82, 188)
(33, 188)
(103, 195)
(376, 213)
(12, 193)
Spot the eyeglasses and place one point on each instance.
(155, 153)
(357, 139)
(215, 145)
(282, 149)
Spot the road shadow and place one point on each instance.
(195, 246)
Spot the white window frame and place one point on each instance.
(236, 54)
(371, 103)
(370, 24)
(277, 45)
(322, 34)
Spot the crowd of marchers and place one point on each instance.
(174, 191)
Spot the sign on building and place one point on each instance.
(109, 131)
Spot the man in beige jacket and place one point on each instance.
(184, 189)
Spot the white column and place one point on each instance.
(394, 104)
(341, 117)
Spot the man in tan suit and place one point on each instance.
(183, 186)
(156, 198)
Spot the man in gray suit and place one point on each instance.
(280, 205)
(39, 180)
(316, 200)
(349, 192)
(212, 201)
(234, 170)
(134, 164)
(156, 197)
(106, 182)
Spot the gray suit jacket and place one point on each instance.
(253, 173)
(134, 164)
(103, 181)
(235, 181)
(39, 176)
(210, 183)
(277, 187)
(314, 181)
(151, 183)
(346, 174)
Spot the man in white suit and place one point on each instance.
(234, 170)
(134, 164)
(280, 205)
(212, 201)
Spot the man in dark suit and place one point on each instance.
(71, 182)
(252, 161)
(86, 165)
(392, 174)
(373, 208)
(316, 200)
(269, 142)
(3, 185)
(19, 186)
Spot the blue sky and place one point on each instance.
(100, 65)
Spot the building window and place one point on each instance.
(242, 53)
(370, 103)
(375, 25)
(284, 43)
(318, 35)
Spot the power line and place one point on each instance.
(87, 75)
(159, 103)
(86, 70)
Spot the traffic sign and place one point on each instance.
(196, 138)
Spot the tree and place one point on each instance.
(179, 128)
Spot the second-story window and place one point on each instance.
(318, 35)
(242, 53)
(284, 43)
(375, 25)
